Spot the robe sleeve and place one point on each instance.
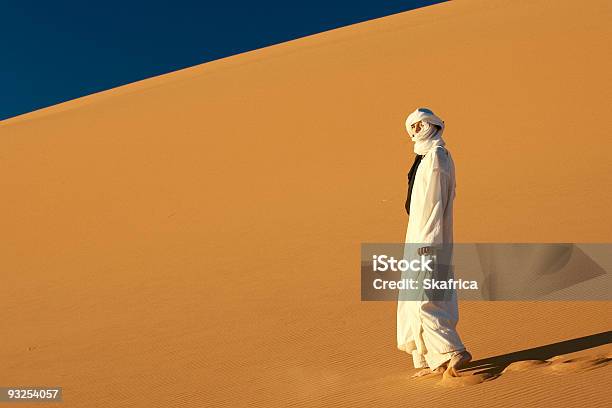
(434, 204)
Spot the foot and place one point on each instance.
(428, 371)
(458, 361)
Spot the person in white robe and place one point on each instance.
(426, 328)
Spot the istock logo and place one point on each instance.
(384, 263)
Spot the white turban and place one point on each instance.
(430, 134)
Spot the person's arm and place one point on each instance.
(434, 205)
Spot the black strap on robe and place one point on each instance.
(411, 176)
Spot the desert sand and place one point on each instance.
(193, 239)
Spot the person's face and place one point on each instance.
(416, 127)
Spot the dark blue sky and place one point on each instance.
(54, 51)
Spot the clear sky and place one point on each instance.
(54, 51)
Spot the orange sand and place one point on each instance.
(193, 239)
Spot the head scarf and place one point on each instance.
(428, 137)
(430, 134)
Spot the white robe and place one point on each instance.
(427, 328)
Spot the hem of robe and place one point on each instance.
(408, 347)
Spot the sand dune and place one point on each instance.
(193, 239)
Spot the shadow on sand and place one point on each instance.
(495, 365)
